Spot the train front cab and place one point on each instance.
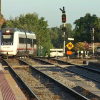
(7, 43)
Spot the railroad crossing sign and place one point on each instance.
(70, 45)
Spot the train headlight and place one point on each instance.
(7, 31)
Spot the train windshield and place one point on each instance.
(7, 39)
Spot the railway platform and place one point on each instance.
(9, 89)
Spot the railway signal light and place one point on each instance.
(63, 18)
(63, 29)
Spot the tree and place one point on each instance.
(97, 32)
(80, 46)
(56, 34)
(83, 27)
(86, 46)
(31, 22)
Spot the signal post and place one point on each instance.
(92, 36)
(64, 24)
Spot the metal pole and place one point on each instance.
(93, 40)
(26, 43)
(93, 48)
(63, 12)
(64, 40)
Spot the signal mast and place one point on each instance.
(63, 23)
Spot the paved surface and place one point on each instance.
(1, 68)
(13, 85)
(1, 95)
(15, 88)
(1, 98)
(5, 90)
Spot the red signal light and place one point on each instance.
(63, 18)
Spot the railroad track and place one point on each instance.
(28, 92)
(59, 69)
(44, 86)
(84, 67)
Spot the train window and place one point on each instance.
(29, 41)
(34, 41)
(7, 38)
(21, 40)
(24, 41)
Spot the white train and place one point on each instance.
(17, 42)
(56, 53)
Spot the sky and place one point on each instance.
(49, 9)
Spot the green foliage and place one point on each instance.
(86, 46)
(57, 35)
(53, 37)
(83, 28)
(80, 46)
(33, 23)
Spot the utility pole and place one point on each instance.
(92, 36)
(93, 39)
(2, 20)
(64, 23)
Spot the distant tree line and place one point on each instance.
(53, 37)
(31, 22)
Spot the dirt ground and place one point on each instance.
(76, 61)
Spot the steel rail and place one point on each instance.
(31, 93)
(84, 67)
(90, 69)
(65, 88)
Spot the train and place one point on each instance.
(56, 53)
(17, 42)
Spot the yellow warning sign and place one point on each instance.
(70, 45)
